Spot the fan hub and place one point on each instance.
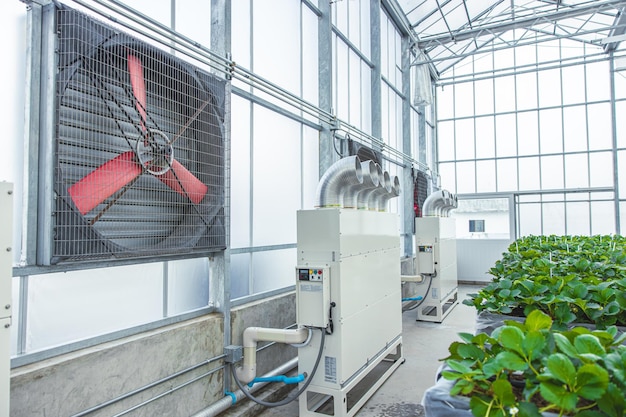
(155, 152)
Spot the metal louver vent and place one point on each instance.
(139, 162)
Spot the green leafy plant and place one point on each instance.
(573, 279)
(526, 369)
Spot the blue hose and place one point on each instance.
(278, 378)
(419, 297)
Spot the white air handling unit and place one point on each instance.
(435, 252)
(355, 287)
(348, 294)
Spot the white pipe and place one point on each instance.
(411, 278)
(226, 402)
(252, 335)
(371, 178)
(342, 174)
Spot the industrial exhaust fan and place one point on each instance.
(139, 148)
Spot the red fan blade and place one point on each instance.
(104, 181)
(179, 179)
(137, 81)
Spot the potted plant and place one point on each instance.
(573, 279)
(530, 369)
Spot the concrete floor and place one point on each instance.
(424, 343)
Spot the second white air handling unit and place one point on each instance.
(349, 277)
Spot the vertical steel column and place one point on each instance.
(375, 12)
(407, 172)
(219, 274)
(325, 67)
(616, 197)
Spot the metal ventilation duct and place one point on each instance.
(342, 175)
(363, 197)
(440, 203)
(395, 192)
(371, 178)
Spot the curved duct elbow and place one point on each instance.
(375, 195)
(439, 203)
(336, 180)
(363, 197)
(371, 178)
(395, 192)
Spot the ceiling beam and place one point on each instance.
(524, 22)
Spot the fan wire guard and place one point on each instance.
(140, 148)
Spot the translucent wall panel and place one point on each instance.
(505, 94)
(65, 307)
(575, 129)
(280, 63)
(240, 280)
(506, 138)
(188, 285)
(573, 84)
(191, 20)
(466, 177)
(445, 102)
(354, 92)
(486, 176)
(464, 129)
(241, 165)
(273, 269)
(507, 174)
(526, 91)
(553, 218)
(598, 82)
(529, 174)
(463, 99)
(159, 10)
(528, 133)
(366, 98)
(240, 44)
(600, 128)
(602, 217)
(550, 131)
(276, 178)
(485, 139)
(552, 172)
(342, 84)
(601, 169)
(483, 96)
(549, 82)
(310, 166)
(353, 20)
(447, 173)
(577, 219)
(310, 70)
(576, 171)
(529, 219)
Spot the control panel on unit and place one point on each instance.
(313, 295)
(426, 259)
(310, 274)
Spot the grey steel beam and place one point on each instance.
(376, 85)
(407, 171)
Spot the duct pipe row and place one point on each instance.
(352, 183)
(440, 204)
